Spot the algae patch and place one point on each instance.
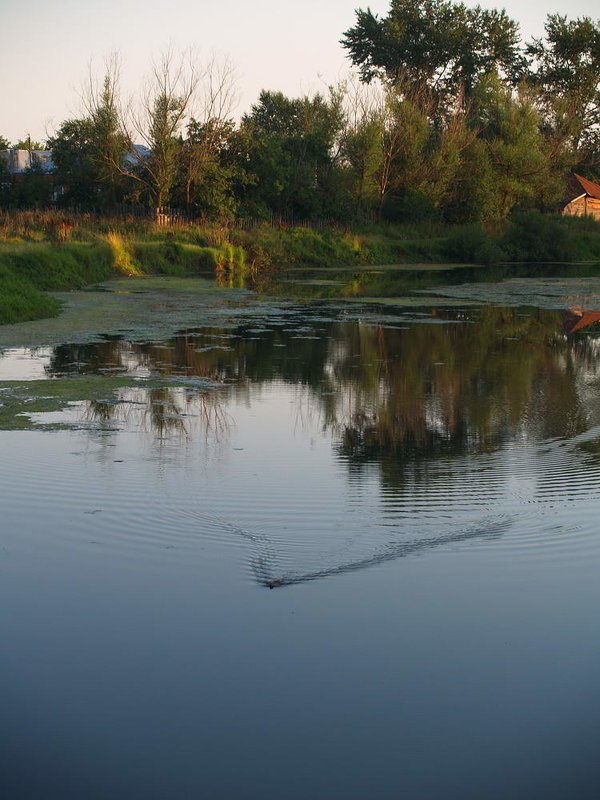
(21, 400)
(549, 293)
(33, 405)
(143, 308)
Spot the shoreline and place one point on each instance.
(38, 258)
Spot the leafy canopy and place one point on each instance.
(438, 45)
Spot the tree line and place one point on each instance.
(447, 114)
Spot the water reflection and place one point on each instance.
(447, 429)
(410, 392)
(576, 318)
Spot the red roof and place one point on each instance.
(575, 319)
(578, 186)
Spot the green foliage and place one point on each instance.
(584, 237)
(21, 301)
(72, 153)
(267, 245)
(532, 236)
(28, 144)
(566, 64)
(515, 148)
(467, 124)
(471, 244)
(176, 259)
(122, 257)
(86, 153)
(290, 151)
(60, 267)
(438, 46)
(412, 205)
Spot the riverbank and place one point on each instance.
(55, 251)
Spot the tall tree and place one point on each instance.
(509, 163)
(72, 154)
(292, 151)
(157, 122)
(435, 48)
(565, 66)
(208, 134)
(107, 142)
(361, 145)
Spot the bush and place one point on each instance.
(413, 206)
(472, 244)
(532, 236)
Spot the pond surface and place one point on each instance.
(260, 548)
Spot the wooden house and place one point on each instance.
(582, 197)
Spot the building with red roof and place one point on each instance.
(582, 197)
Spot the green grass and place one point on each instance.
(21, 301)
(29, 269)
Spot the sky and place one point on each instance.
(48, 46)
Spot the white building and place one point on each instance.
(19, 161)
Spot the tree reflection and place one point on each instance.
(165, 411)
(461, 382)
(414, 403)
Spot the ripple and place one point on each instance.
(531, 501)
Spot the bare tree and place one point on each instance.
(208, 131)
(156, 122)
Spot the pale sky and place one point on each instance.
(47, 45)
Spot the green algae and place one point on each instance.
(19, 400)
(141, 308)
(549, 293)
(25, 405)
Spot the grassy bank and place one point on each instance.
(30, 268)
(45, 251)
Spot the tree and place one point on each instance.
(72, 154)
(509, 163)
(157, 122)
(394, 153)
(107, 142)
(292, 151)
(208, 135)
(361, 144)
(4, 143)
(565, 66)
(437, 49)
(28, 144)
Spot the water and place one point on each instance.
(313, 550)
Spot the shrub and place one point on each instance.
(532, 236)
(472, 244)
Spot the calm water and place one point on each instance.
(304, 551)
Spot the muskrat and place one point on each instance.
(274, 584)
